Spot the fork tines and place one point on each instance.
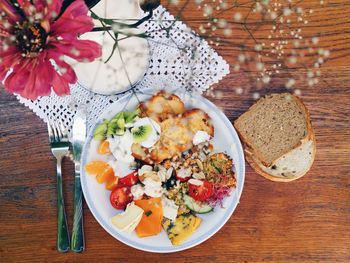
(57, 132)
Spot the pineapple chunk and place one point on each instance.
(182, 228)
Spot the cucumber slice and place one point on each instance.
(198, 207)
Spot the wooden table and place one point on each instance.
(306, 220)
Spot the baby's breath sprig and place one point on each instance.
(263, 57)
(267, 36)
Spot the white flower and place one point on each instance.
(237, 17)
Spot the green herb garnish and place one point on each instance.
(216, 168)
(148, 213)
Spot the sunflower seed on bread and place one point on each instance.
(278, 138)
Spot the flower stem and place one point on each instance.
(136, 24)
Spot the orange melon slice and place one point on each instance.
(151, 221)
(104, 148)
(104, 173)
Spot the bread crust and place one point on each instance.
(249, 153)
(258, 170)
(307, 137)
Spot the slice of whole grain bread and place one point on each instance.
(290, 166)
(278, 138)
(273, 126)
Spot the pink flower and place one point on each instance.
(32, 34)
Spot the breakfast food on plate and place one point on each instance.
(171, 172)
(183, 227)
(161, 106)
(177, 124)
(278, 138)
(176, 137)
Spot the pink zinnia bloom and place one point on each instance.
(32, 34)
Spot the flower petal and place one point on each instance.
(80, 50)
(76, 8)
(66, 70)
(16, 81)
(9, 57)
(11, 61)
(11, 13)
(11, 50)
(27, 8)
(48, 9)
(53, 9)
(74, 20)
(3, 72)
(16, 62)
(39, 81)
(73, 26)
(60, 85)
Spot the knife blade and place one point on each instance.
(78, 139)
(78, 136)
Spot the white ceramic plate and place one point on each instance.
(97, 198)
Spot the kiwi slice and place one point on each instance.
(129, 116)
(119, 131)
(119, 120)
(111, 128)
(101, 131)
(141, 133)
(116, 126)
(121, 123)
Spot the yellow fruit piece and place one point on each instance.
(183, 227)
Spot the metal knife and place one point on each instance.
(78, 139)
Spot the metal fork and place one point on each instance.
(58, 138)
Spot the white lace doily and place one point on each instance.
(178, 60)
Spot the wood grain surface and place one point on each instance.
(306, 220)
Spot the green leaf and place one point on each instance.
(104, 20)
(115, 45)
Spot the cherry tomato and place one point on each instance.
(201, 192)
(120, 197)
(129, 180)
